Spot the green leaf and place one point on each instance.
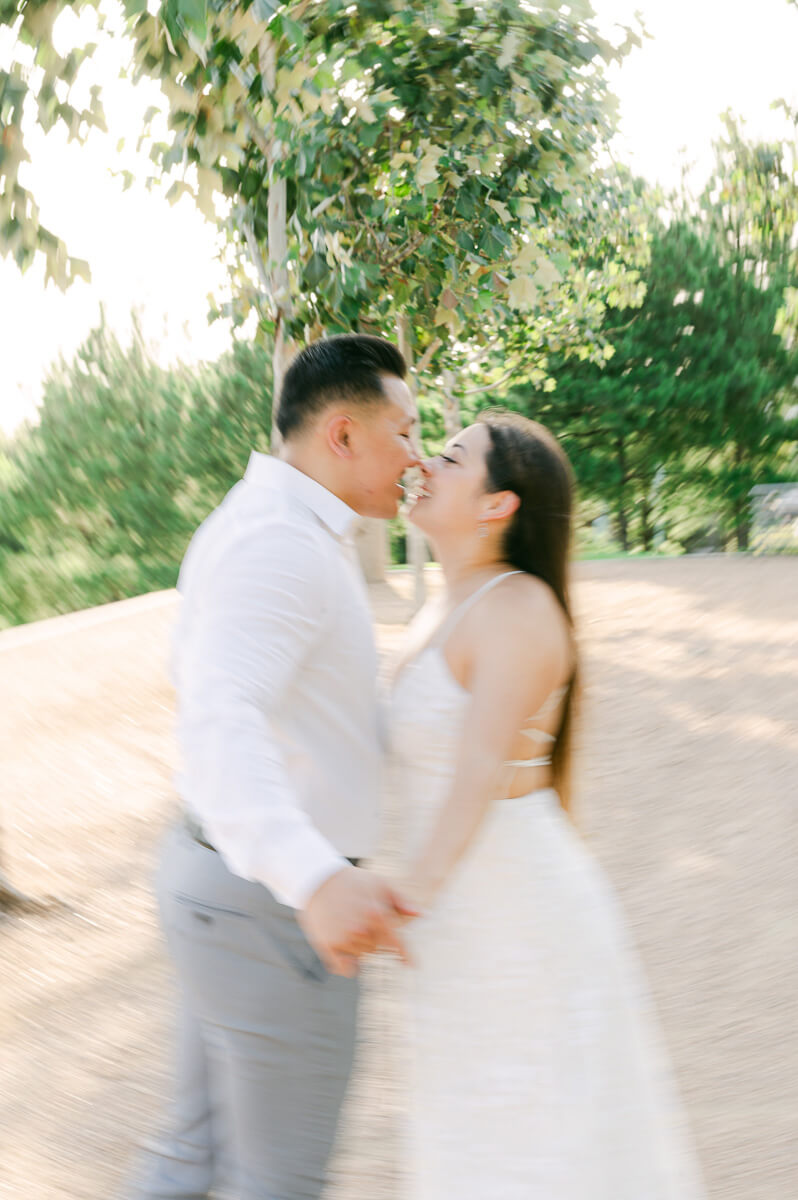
(465, 205)
(493, 242)
(293, 32)
(264, 10)
(316, 270)
(369, 135)
(193, 13)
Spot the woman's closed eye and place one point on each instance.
(448, 459)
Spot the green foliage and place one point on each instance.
(230, 415)
(746, 349)
(98, 500)
(397, 538)
(431, 160)
(434, 160)
(693, 400)
(426, 166)
(34, 586)
(615, 420)
(38, 82)
(102, 457)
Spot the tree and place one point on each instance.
(38, 81)
(693, 395)
(229, 415)
(398, 167)
(375, 162)
(747, 355)
(393, 166)
(380, 165)
(100, 498)
(737, 376)
(101, 461)
(616, 417)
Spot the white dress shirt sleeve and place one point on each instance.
(261, 609)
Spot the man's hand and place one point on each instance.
(354, 913)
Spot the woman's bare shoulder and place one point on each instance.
(524, 596)
(523, 609)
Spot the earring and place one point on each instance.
(482, 529)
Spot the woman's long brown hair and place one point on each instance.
(526, 459)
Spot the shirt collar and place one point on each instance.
(266, 471)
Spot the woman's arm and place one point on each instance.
(519, 653)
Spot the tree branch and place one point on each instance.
(257, 258)
(256, 133)
(475, 391)
(428, 355)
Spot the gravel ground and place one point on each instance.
(686, 789)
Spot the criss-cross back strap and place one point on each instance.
(462, 608)
(543, 761)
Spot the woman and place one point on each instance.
(534, 1069)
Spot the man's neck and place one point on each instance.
(302, 458)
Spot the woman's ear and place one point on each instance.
(500, 506)
(338, 433)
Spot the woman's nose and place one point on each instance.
(425, 467)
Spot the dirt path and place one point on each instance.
(688, 792)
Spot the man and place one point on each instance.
(275, 668)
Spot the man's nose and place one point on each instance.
(414, 450)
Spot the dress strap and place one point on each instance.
(454, 616)
(543, 761)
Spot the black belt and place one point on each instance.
(195, 830)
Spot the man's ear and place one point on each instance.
(338, 434)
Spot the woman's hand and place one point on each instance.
(418, 891)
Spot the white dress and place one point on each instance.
(534, 1065)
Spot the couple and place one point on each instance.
(534, 1072)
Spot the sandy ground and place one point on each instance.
(688, 786)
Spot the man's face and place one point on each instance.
(385, 447)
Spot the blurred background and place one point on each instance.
(584, 212)
(580, 213)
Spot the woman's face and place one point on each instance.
(451, 495)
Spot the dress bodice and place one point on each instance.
(427, 707)
(428, 704)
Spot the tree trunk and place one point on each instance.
(621, 516)
(281, 357)
(452, 420)
(742, 509)
(646, 528)
(371, 542)
(742, 527)
(276, 268)
(416, 543)
(622, 527)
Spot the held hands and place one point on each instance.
(355, 913)
(418, 891)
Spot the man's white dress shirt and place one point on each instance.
(275, 668)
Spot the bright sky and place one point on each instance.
(704, 56)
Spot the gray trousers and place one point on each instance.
(265, 1040)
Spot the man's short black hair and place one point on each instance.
(347, 367)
